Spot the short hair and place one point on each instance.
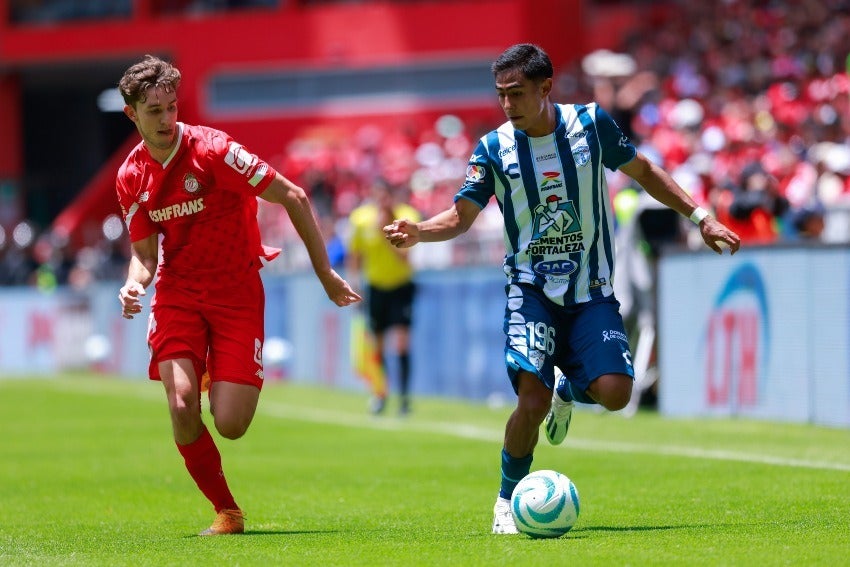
(149, 72)
(528, 58)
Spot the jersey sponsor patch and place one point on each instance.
(246, 163)
(177, 210)
(563, 267)
(551, 180)
(555, 218)
(239, 158)
(505, 151)
(614, 334)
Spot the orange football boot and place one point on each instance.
(226, 522)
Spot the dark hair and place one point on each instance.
(149, 72)
(526, 57)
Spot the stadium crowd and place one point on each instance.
(746, 103)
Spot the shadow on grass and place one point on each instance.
(586, 532)
(249, 533)
(639, 528)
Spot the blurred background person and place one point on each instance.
(386, 281)
(755, 208)
(807, 222)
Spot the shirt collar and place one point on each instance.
(176, 146)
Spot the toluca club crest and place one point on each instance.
(190, 183)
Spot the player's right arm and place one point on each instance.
(443, 226)
(473, 196)
(143, 261)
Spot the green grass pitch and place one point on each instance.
(89, 476)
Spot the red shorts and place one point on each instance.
(220, 330)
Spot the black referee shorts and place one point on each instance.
(390, 307)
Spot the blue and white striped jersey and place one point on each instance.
(554, 199)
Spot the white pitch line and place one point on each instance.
(477, 433)
(468, 431)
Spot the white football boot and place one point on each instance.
(503, 520)
(557, 421)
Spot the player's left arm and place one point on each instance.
(664, 189)
(294, 199)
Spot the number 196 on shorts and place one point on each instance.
(541, 337)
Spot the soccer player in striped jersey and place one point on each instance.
(565, 339)
(197, 188)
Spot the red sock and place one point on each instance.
(203, 461)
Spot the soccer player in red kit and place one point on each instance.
(196, 188)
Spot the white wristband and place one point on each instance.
(698, 215)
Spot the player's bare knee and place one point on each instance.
(231, 428)
(184, 406)
(230, 431)
(617, 398)
(612, 391)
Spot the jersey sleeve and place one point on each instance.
(236, 168)
(139, 225)
(480, 181)
(617, 148)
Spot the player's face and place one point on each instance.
(156, 120)
(525, 102)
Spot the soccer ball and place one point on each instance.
(545, 504)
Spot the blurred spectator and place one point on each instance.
(334, 241)
(808, 221)
(705, 91)
(47, 259)
(755, 207)
(55, 260)
(18, 263)
(17, 266)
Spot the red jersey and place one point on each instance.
(203, 200)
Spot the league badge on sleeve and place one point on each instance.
(475, 173)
